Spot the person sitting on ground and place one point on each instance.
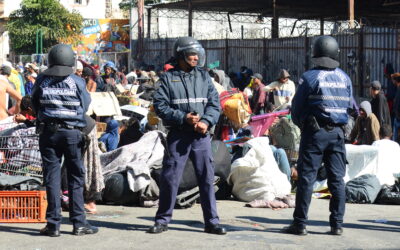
(131, 134)
(283, 88)
(217, 77)
(366, 129)
(27, 115)
(87, 74)
(110, 138)
(7, 90)
(379, 104)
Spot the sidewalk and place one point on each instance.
(366, 227)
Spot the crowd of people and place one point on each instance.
(185, 100)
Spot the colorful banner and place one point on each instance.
(104, 35)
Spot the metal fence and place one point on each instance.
(363, 55)
(121, 59)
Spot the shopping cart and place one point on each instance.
(20, 155)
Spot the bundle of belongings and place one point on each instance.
(132, 173)
(235, 107)
(127, 171)
(256, 177)
(369, 173)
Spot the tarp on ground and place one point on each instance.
(374, 159)
(137, 159)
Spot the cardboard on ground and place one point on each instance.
(104, 104)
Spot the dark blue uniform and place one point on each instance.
(60, 104)
(181, 93)
(326, 95)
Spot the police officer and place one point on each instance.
(319, 108)
(188, 104)
(60, 101)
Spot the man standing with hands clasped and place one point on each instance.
(188, 104)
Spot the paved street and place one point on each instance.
(366, 227)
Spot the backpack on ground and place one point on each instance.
(285, 134)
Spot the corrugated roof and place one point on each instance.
(374, 11)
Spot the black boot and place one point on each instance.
(158, 228)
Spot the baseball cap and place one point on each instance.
(376, 85)
(258, 76)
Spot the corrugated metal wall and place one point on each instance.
(363, 55)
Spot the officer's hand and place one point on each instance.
(192, 119)
(201, 127)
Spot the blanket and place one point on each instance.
(137, 159)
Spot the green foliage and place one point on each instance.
(56, 22)
(125, 4)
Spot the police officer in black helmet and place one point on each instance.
(319, 108)
(60, 101)
(188, 104)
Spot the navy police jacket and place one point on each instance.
(61, 99)
(324, 93)
(180, 93)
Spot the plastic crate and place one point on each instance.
(23, 206)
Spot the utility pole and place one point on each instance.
(130, 37)
(139, 53)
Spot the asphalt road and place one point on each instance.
(366, 227)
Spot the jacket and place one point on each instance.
(380, 108)
(61, 99)
(366, 130)
(324, 93)
(180, 93)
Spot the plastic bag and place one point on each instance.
(389, 194)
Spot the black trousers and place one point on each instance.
(54, 145)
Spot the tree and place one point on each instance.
(125, 4)
(57, 24)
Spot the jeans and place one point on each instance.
(282, 160)
(396, 126)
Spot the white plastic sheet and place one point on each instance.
(381, 159)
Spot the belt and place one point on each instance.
(62, 125)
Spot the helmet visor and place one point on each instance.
(194, 49)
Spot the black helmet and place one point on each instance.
(188, 45)
(326, 52)
(61, 59)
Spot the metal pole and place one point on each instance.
(130, 37)
(41, 41)
(37, 41)
(148, 23)
(190, 31)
